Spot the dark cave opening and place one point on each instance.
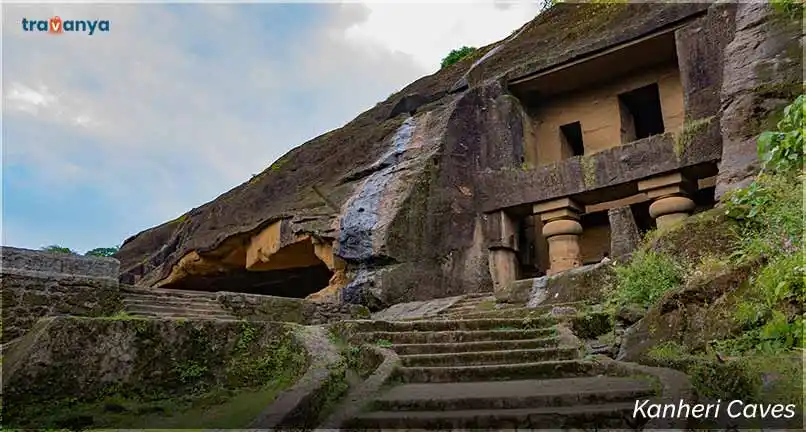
(296, 282)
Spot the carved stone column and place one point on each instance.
(502, 243)
(561, 229)
(670, 194)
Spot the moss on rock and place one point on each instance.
(709, 233)
(158, 362)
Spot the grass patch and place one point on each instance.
(648, 276)
(219, 409)
(486, 305)
(383, 343)
(759, 378)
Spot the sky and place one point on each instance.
(108, 134)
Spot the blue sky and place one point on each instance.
(106, 135)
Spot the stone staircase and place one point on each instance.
(483, 305)
(164, 303)
(470, 369)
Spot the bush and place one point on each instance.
(646, 278)
(102, 252)
(59, 249)
(782, 150)
(770, 216)
(457, 55)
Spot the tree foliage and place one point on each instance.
(457, 55)
(97, 252)
(102, 252)
(59, 249)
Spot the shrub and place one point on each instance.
(102, 252)
(782, 150)
(646, 278)
(59, 249)
(457, 55)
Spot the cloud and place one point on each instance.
(178, 103)
(428, 32)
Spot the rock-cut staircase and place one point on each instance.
(165, 303)
(491, 373)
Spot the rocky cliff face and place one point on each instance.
(389, 207)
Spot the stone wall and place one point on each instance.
(762, 73)
(65, 360)
(36, 284)
(285, 309)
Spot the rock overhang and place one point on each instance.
(309, 182)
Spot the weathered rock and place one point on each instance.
(36, 284)
(624, 234)
(399, 212)
(709, 233)
(763, 72)
(85, 359)
(417, 309)
(691, 316)
(290, 310)
(409, 103)
(561, 311)
(587, 283)
(630, 314)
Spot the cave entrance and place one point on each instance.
(291, 271)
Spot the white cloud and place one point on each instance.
(170, 115)
(428, 32)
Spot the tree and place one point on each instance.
(59, 249)
(457, 55)
(102, 252)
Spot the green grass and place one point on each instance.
(218, 409)
(771, 378)
(646, 278)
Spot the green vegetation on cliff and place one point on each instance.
(123, 372)
(726, 287)
(457, 55)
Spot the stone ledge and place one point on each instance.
(56, 277)
(300, 404)
(51, 262)
(357, 398)
(603, 176)
(675, 386)
(587, 283)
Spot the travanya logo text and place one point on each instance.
(56, 25)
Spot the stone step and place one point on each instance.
(155, 300)
(444, 325)
(185, 316)
(499, 372)
(473, 301)
(494, 345)
(512, 311)
(439, 337)
(512, 394)
(174, 309)
(478, 295)
(489, 357)
(606, 416)
(459, 310)
(162, 292)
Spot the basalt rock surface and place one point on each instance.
(391, 207)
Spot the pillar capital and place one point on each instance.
(561, 229)
(667, 185)
(669, 194)
(563, 208)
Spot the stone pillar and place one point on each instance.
(670, 198)
(561, 228)
(502, 242)
(624, 234)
